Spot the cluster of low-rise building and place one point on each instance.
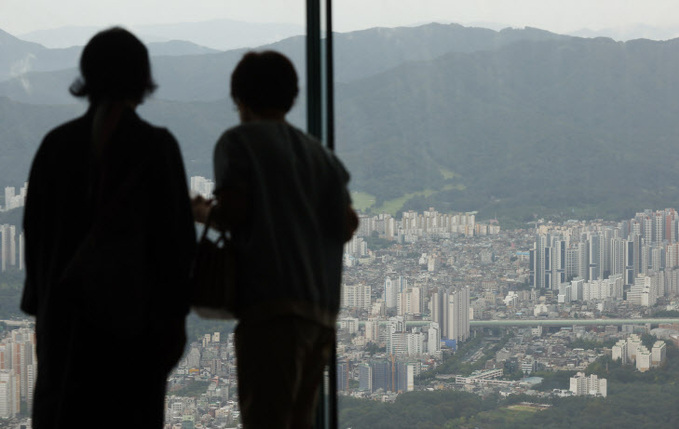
(202, 390)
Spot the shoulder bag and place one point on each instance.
(213, 284)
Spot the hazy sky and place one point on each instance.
(22, 16)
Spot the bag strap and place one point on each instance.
(206, 227)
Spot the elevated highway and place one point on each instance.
(548, 322)
(570, 322)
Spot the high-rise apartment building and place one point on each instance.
(372, 330)
(7, 394)
(392, 289)
(541, 266)
(365, 377)
(409, 302)
(22, 264)
(645, 246)
(389, 375)
(382, 375)
(644, 291)
(11, 248)
(349, 324)
(397, 343)
(450, 310)
(643, 359)
(12, 200)
(572, 262)
(458, 315)
(594, 254)
(434, 339)
(619, 351)
(356, 296)
(436, 305)
(342, 376)
(416, 342)
(356, 247)
(582, 385)
(617, 256)
(17, 355)
(405, 376)
(202, 186)
(658, 353)
(7, 233)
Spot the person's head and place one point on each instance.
(114, 66)
(265, 83)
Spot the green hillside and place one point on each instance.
(635, 400)
(584, 127)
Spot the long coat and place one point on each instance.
(109, 238)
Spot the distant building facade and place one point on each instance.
(582, 385)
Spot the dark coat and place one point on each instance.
(108, 255)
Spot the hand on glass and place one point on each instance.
(200, 207)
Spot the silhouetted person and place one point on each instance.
(109, 239)
(285, 200)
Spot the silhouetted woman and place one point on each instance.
(109, 238)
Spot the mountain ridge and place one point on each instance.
(358, 54)
(216, 34)
(547, 125)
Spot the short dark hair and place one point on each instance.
(265, 80)
(114, 65)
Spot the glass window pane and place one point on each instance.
(484, 140)
(194, 46)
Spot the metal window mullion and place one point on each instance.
(316, 120)
(313, 68)
(329, 79)
(333, 410)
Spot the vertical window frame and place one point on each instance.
(321, 124)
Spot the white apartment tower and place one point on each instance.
(582, 385)
(643, 357)
(390, 293)
(658, 353)
(409, 302)
(633, 342)
(7, 246)
(372, 330)
(356, 296)
(202, 186)
(617, 256)
(436, 305)
(21, 252)
(434, 339)
(619, 351)
(7, 394)
(415, 342)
